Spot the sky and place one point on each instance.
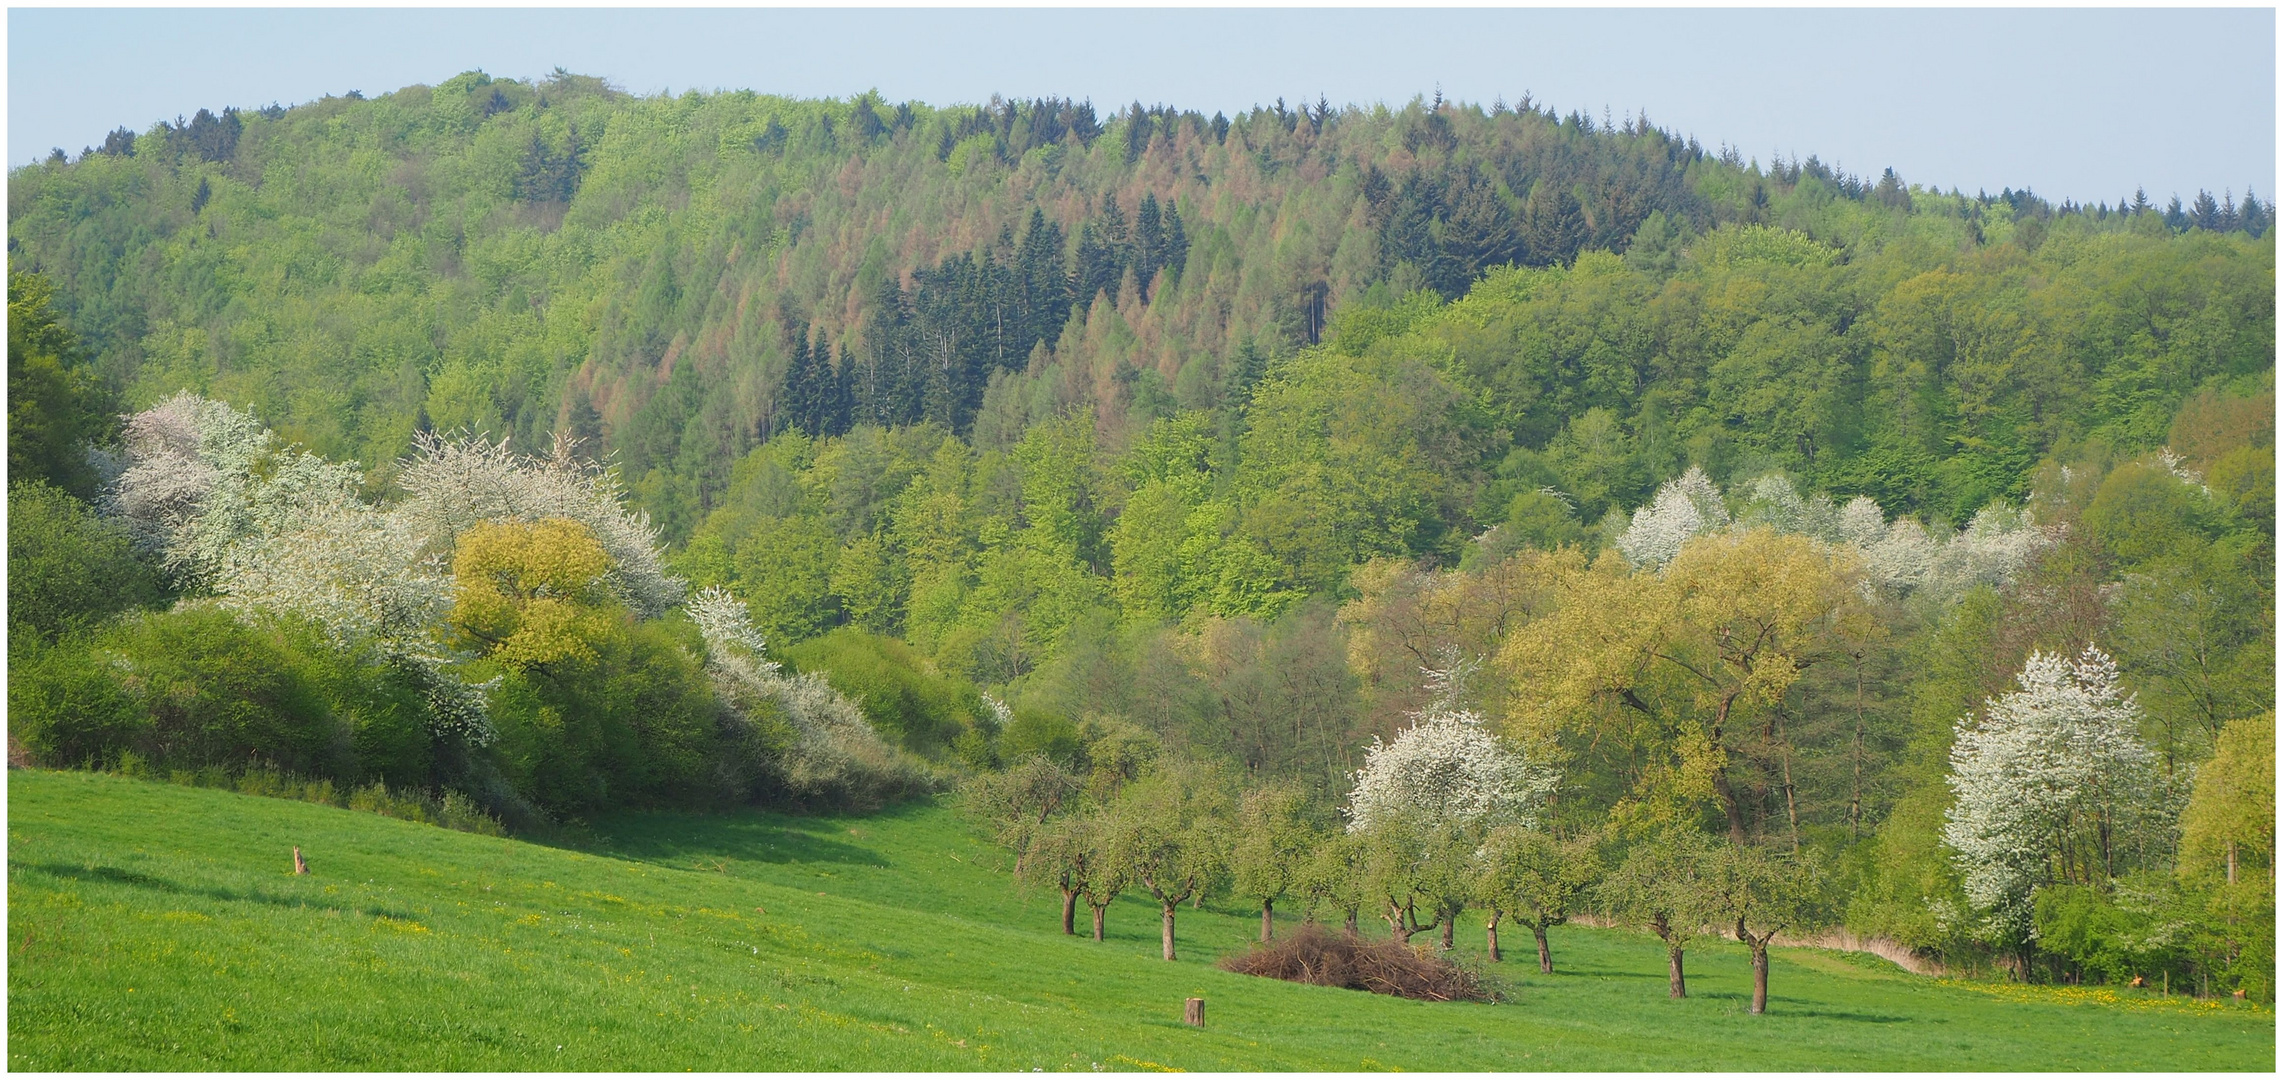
(2083, 104)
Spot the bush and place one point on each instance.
(69, 570)
(1320, 957)
(189, 688)
(634, 726)
(904, 697)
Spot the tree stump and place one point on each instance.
(299, 867)
(1193, 1012)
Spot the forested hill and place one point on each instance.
(677, 279)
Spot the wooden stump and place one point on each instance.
(1193, 1012)
(299, 867)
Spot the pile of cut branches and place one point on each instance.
(1322, 957)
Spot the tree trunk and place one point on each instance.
(1070, 912)
(1490, 936)
(1098, 910)
(1450, 923)
(1546, 956)
(1352, 922)
(1267, 920)
(1168, 908)
(1759, 977)
(1679, 981)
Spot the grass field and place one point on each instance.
(159, 927)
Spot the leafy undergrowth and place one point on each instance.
(160, 927)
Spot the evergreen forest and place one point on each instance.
(1402, 511)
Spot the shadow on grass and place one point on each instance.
(112, 875)
(687, 841)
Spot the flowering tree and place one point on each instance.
(1683, 507)
(1423, 802)
(453, 484)
(1900, 556)
(198, 477)
(835, 751)
(2048, 783)
(1446, 770)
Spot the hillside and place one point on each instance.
(158, 927)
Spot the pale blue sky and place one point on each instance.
(2082, 104)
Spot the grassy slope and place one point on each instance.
(158, 927)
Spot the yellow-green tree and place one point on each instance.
(2231, 816)
(529, 593)
(1678, 676)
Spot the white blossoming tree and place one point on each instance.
(835, 753)
(1423, 802)
(452, 484)
(2049, 784)
(1901, 556)
(1683, 507)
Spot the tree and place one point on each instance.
(2051, 785)
(1334, 875)
(1167, 835)
(1066, 854)
(58, 408)
(1536, 877)
(1686, 669)
(1446, 772)
(1015, 804)
(1271, 845)
(1667, 884)
(69, 569)
(1409, 863)
(528, 594)
(2231, 816)
(1766, 894)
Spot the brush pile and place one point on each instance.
(1322, 957)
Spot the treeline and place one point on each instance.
(533, 258)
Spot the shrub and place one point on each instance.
(69, 570)
(634, 726)
(1321, 957)
(904, 697)
(189, 688)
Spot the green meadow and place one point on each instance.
(155, 927)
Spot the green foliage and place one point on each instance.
(634, 726)
(69, 569)
(196, 688)
(903, 695)
(58, 408)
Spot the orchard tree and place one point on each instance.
(1411, 863)
(1168, 834)
(1015, 804)
(1333, 875)
(1767, 894)
(1272, 839)
(1667, 884)
(1538, 878)
(1101, 877)
(1066, 853)
(2051, 785)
